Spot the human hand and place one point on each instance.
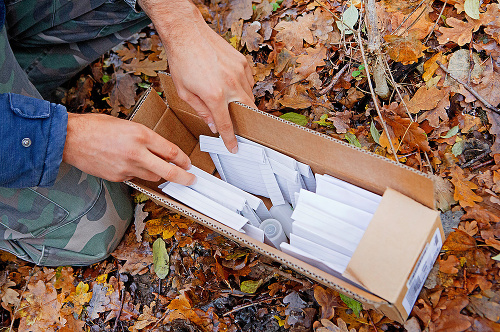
(118, 150)
(208, 73)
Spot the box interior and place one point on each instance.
(179, 123)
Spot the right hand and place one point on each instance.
(118, 150)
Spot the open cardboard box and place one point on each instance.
(402, 241)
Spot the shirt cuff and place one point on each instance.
(135, 6)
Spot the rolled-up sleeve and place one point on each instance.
(33, 133)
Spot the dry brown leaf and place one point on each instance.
(469, 228)
(239, 9)
(323, 24)
(341, 121)
(65, 280)
(425, 99)
(439, 112)
(308, 63)
(449, 265)
(293, 33)
(138, 256)
(10, 297)
(296, 98)
(463, 188)
(443, 192)
(430, 66)
(261, 71)
(128, 52)
(459, 241)
(451, 319)
(251, 36)
(79, 297)
(407, 49)
(124, 91)
(460, 31)
(327, 299)
(146, 66)
(489, 88)
(405, 131)
(41, 309)
(145, 319)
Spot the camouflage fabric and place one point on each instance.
(55, 39)
(81, 219)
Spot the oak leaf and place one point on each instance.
(138, 256)
(422, 26)
(407, 49)
(129, 52)
(65, 279)
(459, 241)
(327, 299)
(323, 24)
(425, 99)
(439, 112)
(308, 63)
(261, 71)
(296, 98)
(146, 66)
(123, 92)
(430, 66)
(251, 36)
(450, 318)
(139, 224)
(489, 88)
(79, 297)
(460, 31)
(405, 135)
(144, 319)
(341, 121)
(449, 265)
(10, 297)
(239, 9)
(99, 300)
(464, 193)
(40, 308)
(443, 192)
(293, 33)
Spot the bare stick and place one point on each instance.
(251, 304)
(470, 89)
(122, 296)
(335, 79)
(374, 42)
(437, 21)
(20, 299)
(374, 97)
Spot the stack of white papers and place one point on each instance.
(329, 224)
(259, 170)
(221, 201)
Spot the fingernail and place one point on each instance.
(235, 150)
(212, 128)
(194, 181)
(189, 166)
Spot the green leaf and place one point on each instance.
(295, 118)
(458, 148)
(254, 7)
(497, 257)
(356, 73)
(275, 6)
(361, 67)
(144, 85)
(349, 18)
(105, 78)
(322, 121)
(452, 132)
(471, 8)
(353, 139)
(141, 198)
(160, 258)
(375, 133)
(354, 305)
(250, 286)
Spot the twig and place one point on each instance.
(482, 164)
(374, 97)
(122, 296)
(437, 21)
(470, 89)
(20, 299)
(251, 304)
(335, 79)
(476, 159)
(283, 274)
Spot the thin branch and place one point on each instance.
(20, 299)
(437, 21)
(374, 97)
(470, 89)
(335, 79)
(251, 304)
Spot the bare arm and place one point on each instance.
(208, 72)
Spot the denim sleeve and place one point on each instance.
(32, 133)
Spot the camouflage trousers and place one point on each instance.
(80, 219)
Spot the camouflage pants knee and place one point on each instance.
(80, 219)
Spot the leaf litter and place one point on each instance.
(308, 69)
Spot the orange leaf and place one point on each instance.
(308, 63)
(425, 99)
(459, 241)
(463, 188)
(449, 265)
(326, 299)
(407, 49)
(460, 31)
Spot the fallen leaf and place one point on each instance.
(459, 241)
(251, 37)
(146, 66)
(464, 193)
(79, 297)
(449, 265)
(297, 98)
(138, 256)
(139, 224)
(145, 319)
(160, 258)
(451, 319)
(40, 309)
(293, 33)
(250, 286)
(326, 298)
(425, 99)
(124, 91)
(309, 62)
(405, 131)
(485, 307)
(407, 49)
(341, 121)
(459, 32)
(239, 9)
(444, 193)
(98, 302)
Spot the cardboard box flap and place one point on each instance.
(343, 160)
(391, 245)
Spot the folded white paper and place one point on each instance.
(360, 191)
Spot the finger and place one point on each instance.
(168, 151)
(147, 175)
(249, 76)
(220, 112)
(170, 172)
(201, 109)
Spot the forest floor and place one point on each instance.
(434, 108)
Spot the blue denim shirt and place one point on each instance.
(32, 134)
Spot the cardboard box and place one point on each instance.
(403, 239)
